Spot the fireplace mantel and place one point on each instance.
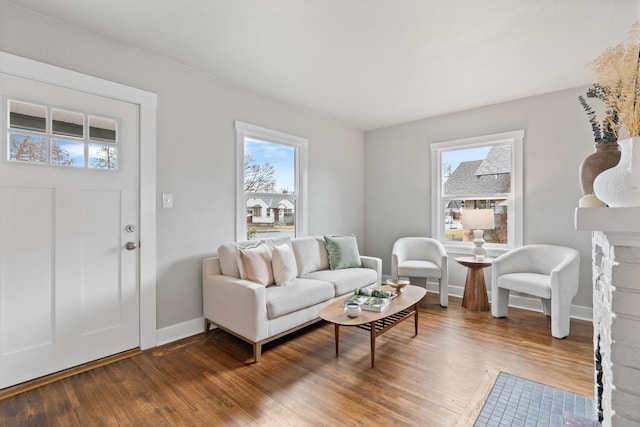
(613, 221)
(616, 311)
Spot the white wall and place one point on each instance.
(557, 139)
(195, 148)
(196, 158)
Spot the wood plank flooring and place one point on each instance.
(438, 378)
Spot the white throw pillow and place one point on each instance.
(311, 254)
(284, 265)
(228, 254)
(254, 263)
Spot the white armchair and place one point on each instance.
(547, 271)
(421, 257)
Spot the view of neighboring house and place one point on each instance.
(480, 184)
(482, 178)
(270, 211)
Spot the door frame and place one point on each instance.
(147, 102)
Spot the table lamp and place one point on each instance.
(478, 220)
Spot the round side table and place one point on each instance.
(475, 289)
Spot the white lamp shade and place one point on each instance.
(478, 219)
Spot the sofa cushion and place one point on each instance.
(254, 264)
(297, 295)
(283, 262)
(347, 279)
(342, 252)
(229, 257)
(311, 254)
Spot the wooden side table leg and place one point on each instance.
(475, 291)
(469, 285)
(481, 289)
(337, 335)
(373, 343)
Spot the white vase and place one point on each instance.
(620, 185)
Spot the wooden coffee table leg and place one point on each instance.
(373, 343)
(415, 309)
(337, 334)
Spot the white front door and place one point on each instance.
(69, 200)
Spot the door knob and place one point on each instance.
(131, 246)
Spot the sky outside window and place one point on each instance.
(74, 149)
(452, 159)
(282, 157)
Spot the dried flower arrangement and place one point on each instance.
(607, 131)
(618, 73)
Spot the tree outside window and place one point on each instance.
(271, 198)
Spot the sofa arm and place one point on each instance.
(374, 264)
(235, 304)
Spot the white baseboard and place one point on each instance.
(196, 326)
(518, 301)
(522, 301)
(180, 331)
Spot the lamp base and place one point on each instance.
(479, 252)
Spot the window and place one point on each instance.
(271, 181)
(478, 173)
(255, 211)
(40, 134)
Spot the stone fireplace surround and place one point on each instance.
(616, 311)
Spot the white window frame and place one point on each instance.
(301, 146)
(515, 199)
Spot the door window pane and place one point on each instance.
(28, 148)
(67, 153)
(103, 157)
(26, 116)
(102, 129)
(67, 123)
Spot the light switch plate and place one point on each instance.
(167, 200)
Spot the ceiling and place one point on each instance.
(369, 63)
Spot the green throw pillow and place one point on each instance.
(343, 252)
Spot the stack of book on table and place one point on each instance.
(371, 299)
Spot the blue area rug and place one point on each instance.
(515, 401)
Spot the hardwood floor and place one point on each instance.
(438, 378)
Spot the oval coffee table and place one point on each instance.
(401, 308)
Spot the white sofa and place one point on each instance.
(259, 314)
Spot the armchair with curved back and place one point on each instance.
(421, 257)
(548, 271)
